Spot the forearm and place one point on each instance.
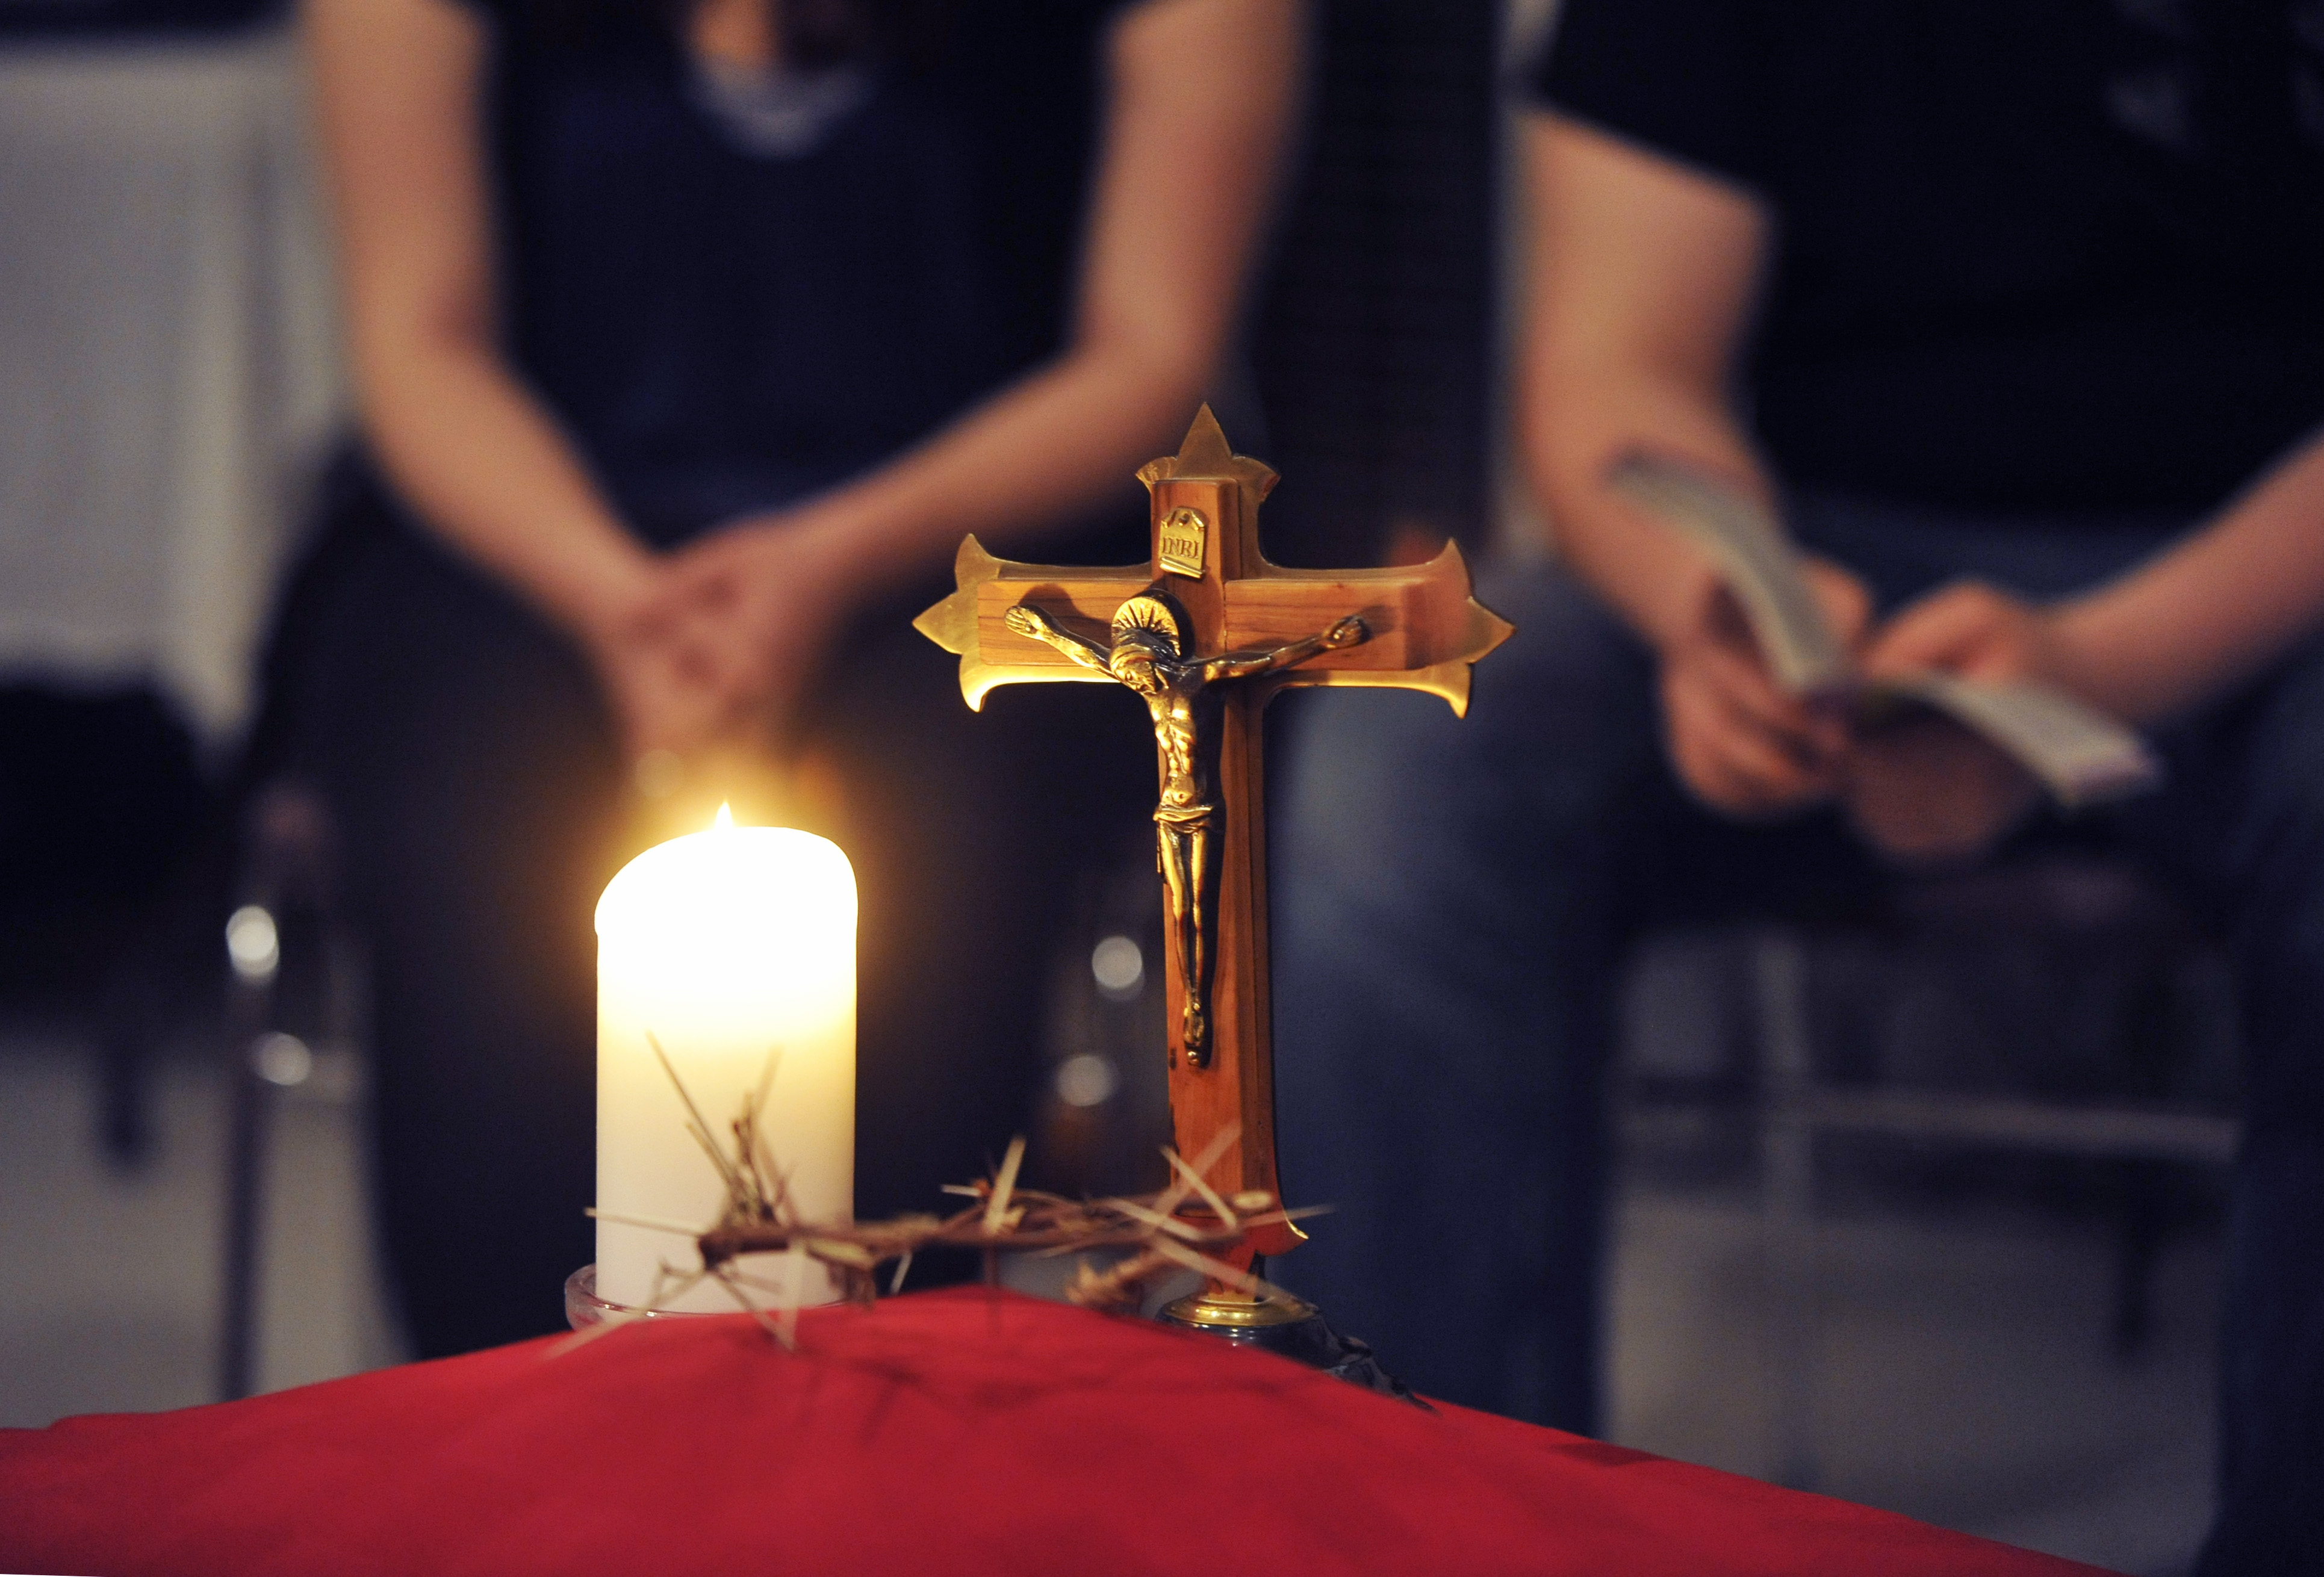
(1251, 668)
(1291, 656)
(1578, 426)
(1641, 282)
(399, 96)
(2212, 610)
(484, 465)
(1058, 444)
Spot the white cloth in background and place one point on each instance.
(169, 378)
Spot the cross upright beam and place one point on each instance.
(1208, 631)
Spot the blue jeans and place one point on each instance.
(1454, 900)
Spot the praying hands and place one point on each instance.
(720, 638)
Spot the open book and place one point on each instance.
(2079, 754)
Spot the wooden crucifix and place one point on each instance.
(1206, 633)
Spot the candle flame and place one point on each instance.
(725, 816)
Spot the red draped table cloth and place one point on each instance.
(956, 1431)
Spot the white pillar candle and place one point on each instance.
(724, 945)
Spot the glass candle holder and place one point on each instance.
(583, 1308)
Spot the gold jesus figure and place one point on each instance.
(1148, 654)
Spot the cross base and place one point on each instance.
(1290, 1328)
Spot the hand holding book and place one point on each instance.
(1743, 742)
(1927, 663)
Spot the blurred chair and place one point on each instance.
(164, 405)
(2058, 1007)
(296, 1005)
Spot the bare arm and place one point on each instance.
(461, 438)
(2157, 641)
(1035, 624)
(1643, 278)
(481, 460)
(1349, 631)
(2212, 610)
(2167, 636)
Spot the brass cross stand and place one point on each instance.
(1206, 634)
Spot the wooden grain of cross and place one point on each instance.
(1419, 629)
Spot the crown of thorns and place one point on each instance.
(1189, 1226)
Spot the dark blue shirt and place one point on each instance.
(724, 329)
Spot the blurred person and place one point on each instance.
(2017, 312)
(690, 339)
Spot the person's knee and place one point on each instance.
(2265, 848)
(2281, 814)
(1564, 640)
(1439, 854)
(1557, 717)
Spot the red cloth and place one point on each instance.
(948, 1432)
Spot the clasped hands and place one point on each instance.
(711, 645)
(1920, 789)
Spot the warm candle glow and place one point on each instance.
(723, 945)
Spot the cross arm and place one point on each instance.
(1424, 630)
(973, 622)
